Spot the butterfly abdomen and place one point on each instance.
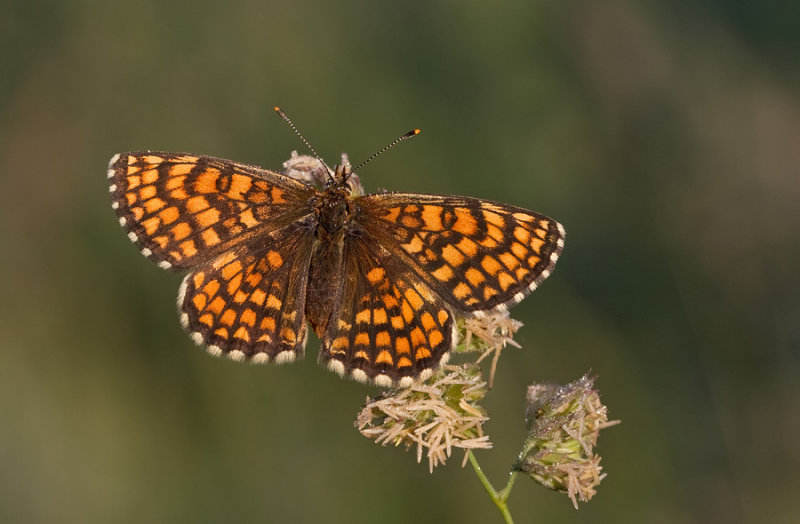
(332, 212)
(324, 283)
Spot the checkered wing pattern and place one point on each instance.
(379, 277)
(249, 302)
(387, 325)
(182, 210)
(475, 254)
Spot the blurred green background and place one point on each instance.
(664, 136)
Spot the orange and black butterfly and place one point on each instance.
(380, 278)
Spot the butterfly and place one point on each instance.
(380, 278)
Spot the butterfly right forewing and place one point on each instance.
(475, 254)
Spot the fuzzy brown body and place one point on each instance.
(330, 223)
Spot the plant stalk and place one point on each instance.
(499, 498)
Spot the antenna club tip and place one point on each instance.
(277, 109)
(417, 131)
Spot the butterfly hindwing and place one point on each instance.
(249, 302)
(387, 325)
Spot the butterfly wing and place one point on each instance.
(387, 325)
(183, 210)
(249, 301)
(240, 228)
(476, 255)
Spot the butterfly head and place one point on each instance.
(341, 173)
(344, 178)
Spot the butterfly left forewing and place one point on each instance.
(182, 210)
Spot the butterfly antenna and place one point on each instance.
(410, 134)
(297, 132)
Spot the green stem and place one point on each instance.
(506, 491)
(499, 498)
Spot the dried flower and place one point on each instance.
(305, 168)
(435, 416)
(563, 426)
(311, 170)
(489, 335)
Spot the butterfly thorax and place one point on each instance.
(332, 209)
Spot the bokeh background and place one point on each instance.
(664, 136)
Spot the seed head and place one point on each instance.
(435, 416)
(563, 425)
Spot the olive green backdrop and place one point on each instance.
(664, 136)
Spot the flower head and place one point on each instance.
(563, 425)
(435, 416)
(311, 170)
(488, 334)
